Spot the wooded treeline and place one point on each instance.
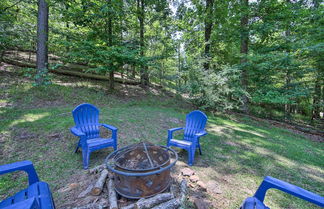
(265, 57)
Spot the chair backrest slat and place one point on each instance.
(195, 123)
(86, 117)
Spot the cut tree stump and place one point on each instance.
(97, 189)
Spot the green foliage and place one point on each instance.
(43, 75)
(217, 90)
(283, 65)
(105, 58)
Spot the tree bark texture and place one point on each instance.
(42, 40)
(317, 97)
(140, 12)
(150, 202)
(112, 194)
(208, 29)
(86, 192)
(244, 50)
(110, 43)
(171, 204)
(98, 187)
(74, 72)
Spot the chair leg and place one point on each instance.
(85, 158)
(76, 149)
(191, 156)
(199, 149)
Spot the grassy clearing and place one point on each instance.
(237, 153)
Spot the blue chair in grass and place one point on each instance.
(36, 196)
(256, 202)
(194, 129)
(86, 118)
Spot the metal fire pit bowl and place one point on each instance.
(141, 170)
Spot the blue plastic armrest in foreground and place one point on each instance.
(26, 166)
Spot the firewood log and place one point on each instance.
(91, 206)
(171, 204)
(97, 169)
(97, 189)
(150, 202)
(112, 194)
(85, 192)
(183, 191)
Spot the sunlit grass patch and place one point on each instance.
(237, 153)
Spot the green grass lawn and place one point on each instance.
(237, 153)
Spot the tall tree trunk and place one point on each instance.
(318, 94)
(140, 12)
(288, 106)
(42, 40)
(110, 43)
(317, 97)
(179, 66)
(208, 30)
(288, 73)
(67, 25)
(244, 51)
(133, 71)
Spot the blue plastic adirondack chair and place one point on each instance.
(36, 195)
(194, 129)
(256, 202)
(86, 118)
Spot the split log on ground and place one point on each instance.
(171, 204)
(92, 206)
(150, 202)
(18, 63)
(173, 189)
(97, 189)
(93, 76)
(112, 194)
(86, 192)
(65, 71)
(97, 169)
(183, 191)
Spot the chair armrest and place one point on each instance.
(77, 132)
(170, 132)
(273, 183)
(113, 131)
(175, 129)
(203, 133)
(110, 127)
(26, 166)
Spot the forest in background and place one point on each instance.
(263, 57)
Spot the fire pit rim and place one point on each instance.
(161, 169)
(134, 147)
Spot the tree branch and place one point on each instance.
(12, 5)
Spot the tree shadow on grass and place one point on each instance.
(237, 152)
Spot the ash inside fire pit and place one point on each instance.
(142, 156)
(141, 170)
